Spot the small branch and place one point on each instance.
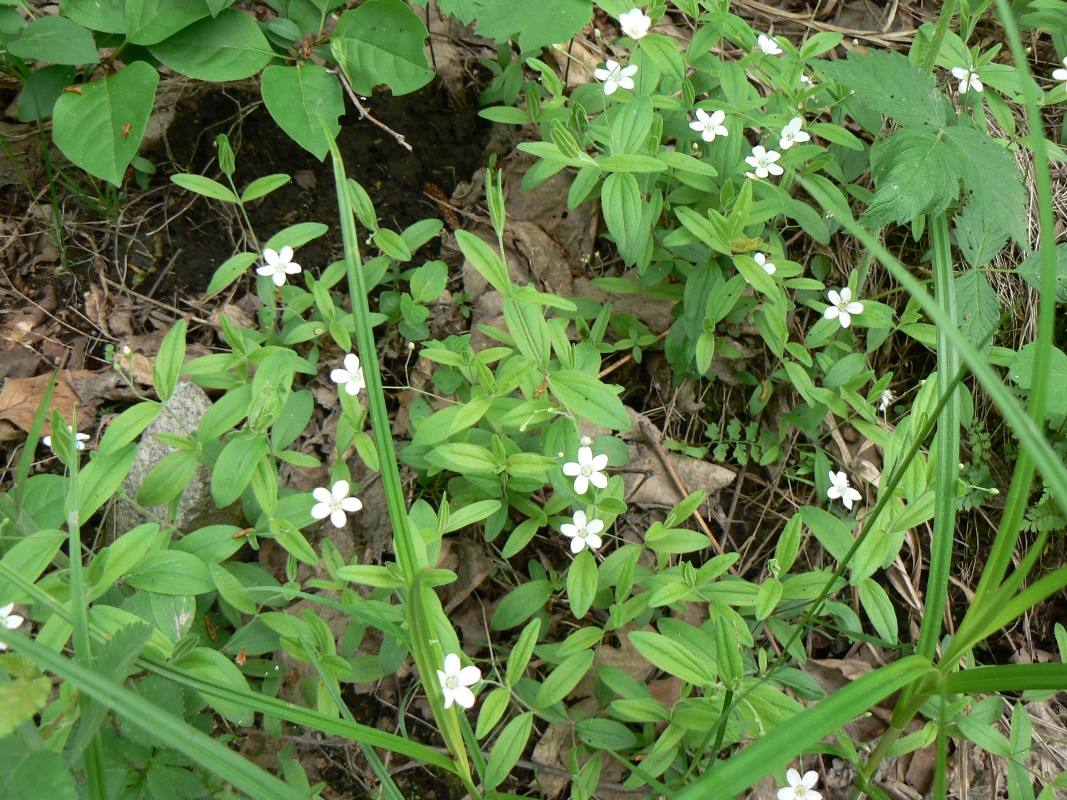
(364, 113)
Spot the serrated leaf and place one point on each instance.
(977, 308)
(101, 129)
(298, 97)
(20, 700)
(1022, 373)
(913, 176)
(979, 234)
(1030, 271)
(891, 84)
(40, 774)
(555, 21)
(382, 41)
(990, 176)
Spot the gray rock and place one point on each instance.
(196, 509)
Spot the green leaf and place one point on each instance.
(383, 41)
(1030, 271)
(390, 243)
(493, 708)
(296, 235)
(461, 457)
(630, 126)
(523, 649)
(230, 270)
(556, 21)
(979, 234)
(43, 88)
(1020, 784)
(298, 97)
(563, 679)
(55, 39)
(171, 572)
(234, 467)
(913, 176)
(152, 21)
(990, 178)
(41, 773)
(673, 658)
(1022, 373)
(605, 734)
(977, 308)
(168, 366)
(168, 478)
(29, 557)
(507, 750)
(837, 135)
(486, 261)
(582, 583)
(231, 589)
(469, 514)
(128, 425)
(205, 186)
(622, 204)
(891, 84)
(228, 47)
(91, 128)
(879, 610)
(263, 186)
(520, 604)
(590, 398)
(105, 16)
(101, 478)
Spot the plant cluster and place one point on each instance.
(707, 169)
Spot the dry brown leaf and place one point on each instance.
(21, 397)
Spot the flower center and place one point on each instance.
(452, 682)
(616, 74)
(587, 471)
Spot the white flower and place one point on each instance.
(968, 79)
(587, 469)
(583, 533)
(351, 377)
(842, 306)
(710, 125)
(585, 441)
(768, 46)
(335, 504)
(792, 133)
(847, 495)
(762, 160)
(800, 788)
(278, 265)
(887, 398)
(806, 82)
(768, 267)
(635, 23)
(79, 439)
(1060, 74)
(8, 620)
(615, 75)
(456, 680)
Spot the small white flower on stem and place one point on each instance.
(585, 441)
(79, 439)
(635, 23)
(710, 125)
(841, 490)
(792, 134)
(806, 82)
(351, 377)
(800, 788)
(279, 264)
(8, 620)
(887, 398)
(583, 532)
(968, 78)
(456, 681)
(842, 306)
(762, 160)
(767, 45)
(768, 267)
(335, 504)
(588, 469)
(615, 75)
(1060, 74)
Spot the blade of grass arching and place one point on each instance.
(781, 745)
(157, 722)
(947, 441)
(298, 715)
(22, 471)
(1008, 678)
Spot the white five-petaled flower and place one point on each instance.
(335, 504)
(79, 439)
(800, 788)
(887, 398)
(583, 532)
(767, 45)
(587, 469)
(842, 306)
(635, 23)
(456, 681)
(968, 79)
(762, 160)
(351, 377)
(710, 125)
(768, 267)
(793, 133)
(615, 75)
(8, 620)
(1060, 74)
(840, 490)
(279, 264)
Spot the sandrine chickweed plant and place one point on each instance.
(702, 166)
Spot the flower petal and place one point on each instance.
(577, 545)
(452, 664)
(600, 462)
(581, 484)
(352, 504)
(286, 254)
(593, 541)
(340, 490)
(322, 495)
(321, 510)
(572, 468)
(279, 278)
(468, 676)
(464, 697)
(599, 480)
(338, 518)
